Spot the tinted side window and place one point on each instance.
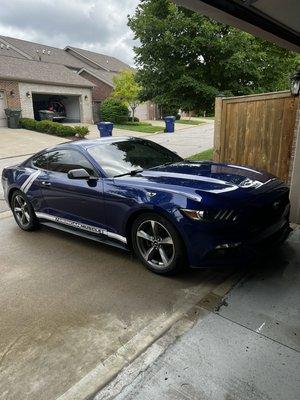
(41, 161)
(65, 160)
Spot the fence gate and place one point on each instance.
(256, 130)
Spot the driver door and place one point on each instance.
(75, 200)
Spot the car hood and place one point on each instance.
(197, 177)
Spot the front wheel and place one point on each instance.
(23, 211)
(157, 244)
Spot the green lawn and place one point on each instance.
(188, 122)
(140, 127)
(204, 155)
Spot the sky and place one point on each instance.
(96, 25)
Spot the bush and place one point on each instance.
(43, 126)
(168, 111)
(136, 119)
(130, 123)
(28, 123)
(114, 110)
(120, 119)
(81, 131)
(54, 128)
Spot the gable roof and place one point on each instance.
(100, 66)
(108, 63)
(104, 76)
(40, 72)
(47, 54)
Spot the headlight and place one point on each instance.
(211, 215)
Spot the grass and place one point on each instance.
(188, 122)
(139, 127)
(204, 155)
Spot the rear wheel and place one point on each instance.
(157, 244)
(23, 211)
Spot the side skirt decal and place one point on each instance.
(79, 225)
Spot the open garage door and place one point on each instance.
(65, 108)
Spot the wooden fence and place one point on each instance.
(256, 130)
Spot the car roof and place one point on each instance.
(86, 143)
(93, 142)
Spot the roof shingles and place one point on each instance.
(49, 64)
(36, 71)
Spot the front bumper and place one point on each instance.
(234, 249)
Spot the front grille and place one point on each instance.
(269, 213)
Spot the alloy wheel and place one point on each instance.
(155, 244)
(21, 211)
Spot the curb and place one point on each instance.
(6, 214)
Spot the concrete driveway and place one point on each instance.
(73, 312)
(247, 349)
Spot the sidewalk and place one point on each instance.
(248, 350)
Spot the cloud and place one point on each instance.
(96, 25)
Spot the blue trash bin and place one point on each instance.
(105, 128)
(170, 124)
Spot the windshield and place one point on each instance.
(133, 154)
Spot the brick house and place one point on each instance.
(31, 74)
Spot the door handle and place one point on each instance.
(45, 183)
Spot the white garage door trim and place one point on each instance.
(3, 121)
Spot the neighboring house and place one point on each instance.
(32, 74)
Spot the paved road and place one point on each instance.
(68, 305)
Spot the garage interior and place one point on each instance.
(41, 101)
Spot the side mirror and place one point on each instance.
(79, 173)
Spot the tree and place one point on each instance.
(114, 110)
(127, 89)
(185, 59)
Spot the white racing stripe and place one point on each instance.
(29, 181)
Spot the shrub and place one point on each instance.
(130, 123)
(54, 128)
(168, 111)
(120, 119)
(81, 131)
(43, 126)
(136, 119)
(28, 123)
(114, 110)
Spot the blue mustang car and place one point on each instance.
(137, 195)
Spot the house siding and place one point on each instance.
(101, 90)
(27, 106)
(12, 101)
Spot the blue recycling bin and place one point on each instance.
(105, 128)
(170, 124)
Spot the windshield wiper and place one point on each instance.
(132, 173)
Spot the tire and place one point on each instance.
(23, 211)
(157, 244)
